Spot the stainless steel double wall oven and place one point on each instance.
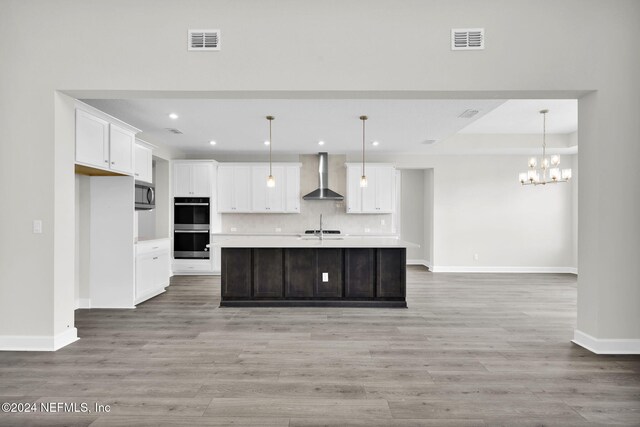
(191, 230)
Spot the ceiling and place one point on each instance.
(521, 116)
(240, 126)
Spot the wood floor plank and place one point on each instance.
(470, 350)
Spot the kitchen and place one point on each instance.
(498, 325)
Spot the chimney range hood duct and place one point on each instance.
(323, 192)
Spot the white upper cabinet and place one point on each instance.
(202, 175)
(354, 191)
(192, 179)
(379, 194)
(92, 140)
(243, 188)
(292, 193)
(121, 149)
(103, 144)
(234, 188)
(143, 170)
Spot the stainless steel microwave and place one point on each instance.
(145, 197)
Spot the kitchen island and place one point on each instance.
(304, 271)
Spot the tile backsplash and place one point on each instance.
(333, 212)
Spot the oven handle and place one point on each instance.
(191, 231)
(192, 204)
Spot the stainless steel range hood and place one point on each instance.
(323, 192)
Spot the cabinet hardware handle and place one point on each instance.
(137, 174)
(113, 163)
(155, 247)
(155, 257)
(106, 161)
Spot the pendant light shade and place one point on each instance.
(363, 178)
(271, 181)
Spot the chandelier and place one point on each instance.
(546, 171)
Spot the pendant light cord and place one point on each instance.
(270, 174)
(363, 118)
(544, 136)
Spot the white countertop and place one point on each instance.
(298, 242)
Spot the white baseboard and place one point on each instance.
(38, 343)
(605, 345)
(472, 269)
(423, 262)
(83, 303)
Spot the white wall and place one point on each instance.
(412, 212)
(479, 207)
(428, 217)
(82, 241)
(350, 60)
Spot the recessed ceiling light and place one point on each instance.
(173, 116)
(320, 142)
(267, 143)
(212, 142)
(375, 143)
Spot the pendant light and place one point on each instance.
(548, 172)
(271, 182)
(363, 178)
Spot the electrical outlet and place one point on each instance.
(383, 222)
(367, 230)
(475, 257)
(278, 229)
(234, 229)
(325, 277)
(37, 226)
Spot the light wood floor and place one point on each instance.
(471, 349)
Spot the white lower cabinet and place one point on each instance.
(152, 268)
(192, 266)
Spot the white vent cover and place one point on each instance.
(467, 39)
(467, 114)
(204, 40)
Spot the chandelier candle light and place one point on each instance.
(363, 178)
(538, 175)
(271, 182)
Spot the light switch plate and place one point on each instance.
(278, 229)
(367, 230)
(37, 226)
(234, 229)
(325, 277)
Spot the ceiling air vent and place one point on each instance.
(204, 40)
(467, 114)
(428, 141)
(467, 39)
(174, 130)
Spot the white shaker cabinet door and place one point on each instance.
(225, 189)
(354, 191)
(143, 170)
(182, 180)
(384, 189)
(275, 195)
(292, 193)
(121, 149)
(92, 140)
(259, 190)
(242, 188)
(202, 175)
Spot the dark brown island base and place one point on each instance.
(320, 276)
